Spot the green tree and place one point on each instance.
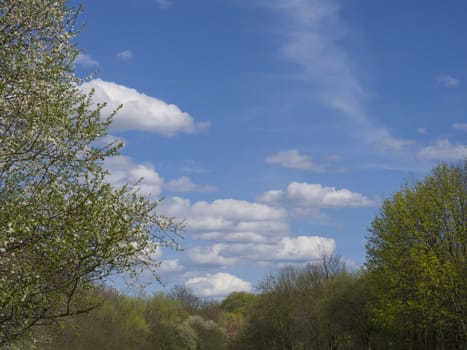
(185, 296)
(344, 310)
(62, 227)
(293, 309)
(166, 319)
(235, 308)
(118, 323)
(237, 302)
(417, 262)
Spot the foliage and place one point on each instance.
(118, 323)
(417, 262)
(124, 322)
(237, 302)
(62, 227)
(190, 302)
(297, 308)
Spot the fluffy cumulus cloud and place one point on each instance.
(210, 256)
(217, 285)
(301, 249)
(185, 184)
(140, 111)
(306, 195)
(443, 150)
(294, 160)
(286, 250)
(228, 219)
(304, 248)
(448, 80)
(86, 61)
(124, 171)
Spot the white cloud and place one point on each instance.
(170, 265)
(305, 195)
(191, 168)
(245, 236)
(293, 159)
(299, 249)
(184, 184)
(164, 4)
(86, 60)
(293, 250)
(380, 138)
(395, 144)
(460, 126)
(232, 209)
(422, 131)
(140, 111)
(334, 158)
(448, 80)
(304, 248)
(210, 256)
(228, 219)
(217, 285)
(125, 55)
(124, 171)
(443, 150)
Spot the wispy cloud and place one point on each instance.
(125, 55)
(164, 4)
(294, 160)
(86, 61)
(421, 131)
(313, 34)
(448, 80)
(191, 167)
(460, 126)
(185, 184)
(312, 42)
(443, 150)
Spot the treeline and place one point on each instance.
(410, 294)
(319, 306)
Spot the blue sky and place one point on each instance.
(274, 128)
